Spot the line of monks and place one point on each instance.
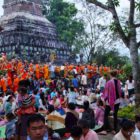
(16, 70)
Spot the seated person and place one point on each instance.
(137, 128)
(10, 126)
(87, 133)
(76, 133)
(54, 119)
(88, 114)
(71, 117)
(56, 103)
(99, 115)
(126, 132)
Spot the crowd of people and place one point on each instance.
(42, 102)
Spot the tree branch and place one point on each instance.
(99, 4)
(111, 8)
(117, 22)
(137, 25)
(138, 44)
(132, 12)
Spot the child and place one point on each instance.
(10, 126)
(26, 102)
(8, 105)
(26, 108)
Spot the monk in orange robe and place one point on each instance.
(15, 83)
(37, 71)
(101, 69)
(105, 69)
(9, 69)
(3, 84)
(9, 82)
(46, 72)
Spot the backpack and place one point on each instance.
(89, 116)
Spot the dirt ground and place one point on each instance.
(106, 137)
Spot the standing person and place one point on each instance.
(36, 128)
(66, 83)
(111, 97)
(87, 133)
(102, 82)
(130, 86)
(52, 71)
(75, 82)
(8, 105)
(126, 132)
(84, 80)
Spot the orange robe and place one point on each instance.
(9, 82)
(37, 72)
(3, 84)
(9, 67)
(15, 84)
(46, 72)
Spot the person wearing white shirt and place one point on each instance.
(102, 82)
(130, 86)
(52, 70)
(84, 80)
(126, 132)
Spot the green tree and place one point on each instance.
(63, 16)
(127, 32)
(109, 57)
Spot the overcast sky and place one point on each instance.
(1, 9)
(124, 3)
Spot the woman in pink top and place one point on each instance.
(99, 115)
(87, 133)
(111, 97)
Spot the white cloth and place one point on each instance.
(41, 106)
(102, 82)
(62, 67)
(84, 80)
(72, 96)
(55, 124)
(130, 85)
(52, 68)
(137, 134)
(84, 98)
(75, 71)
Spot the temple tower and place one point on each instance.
(27, 32)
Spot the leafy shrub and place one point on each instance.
(127, 112)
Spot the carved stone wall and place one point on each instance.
(26, 29)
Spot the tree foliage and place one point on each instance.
(109, 57)
(63, 16)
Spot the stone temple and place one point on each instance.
(25, 31)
